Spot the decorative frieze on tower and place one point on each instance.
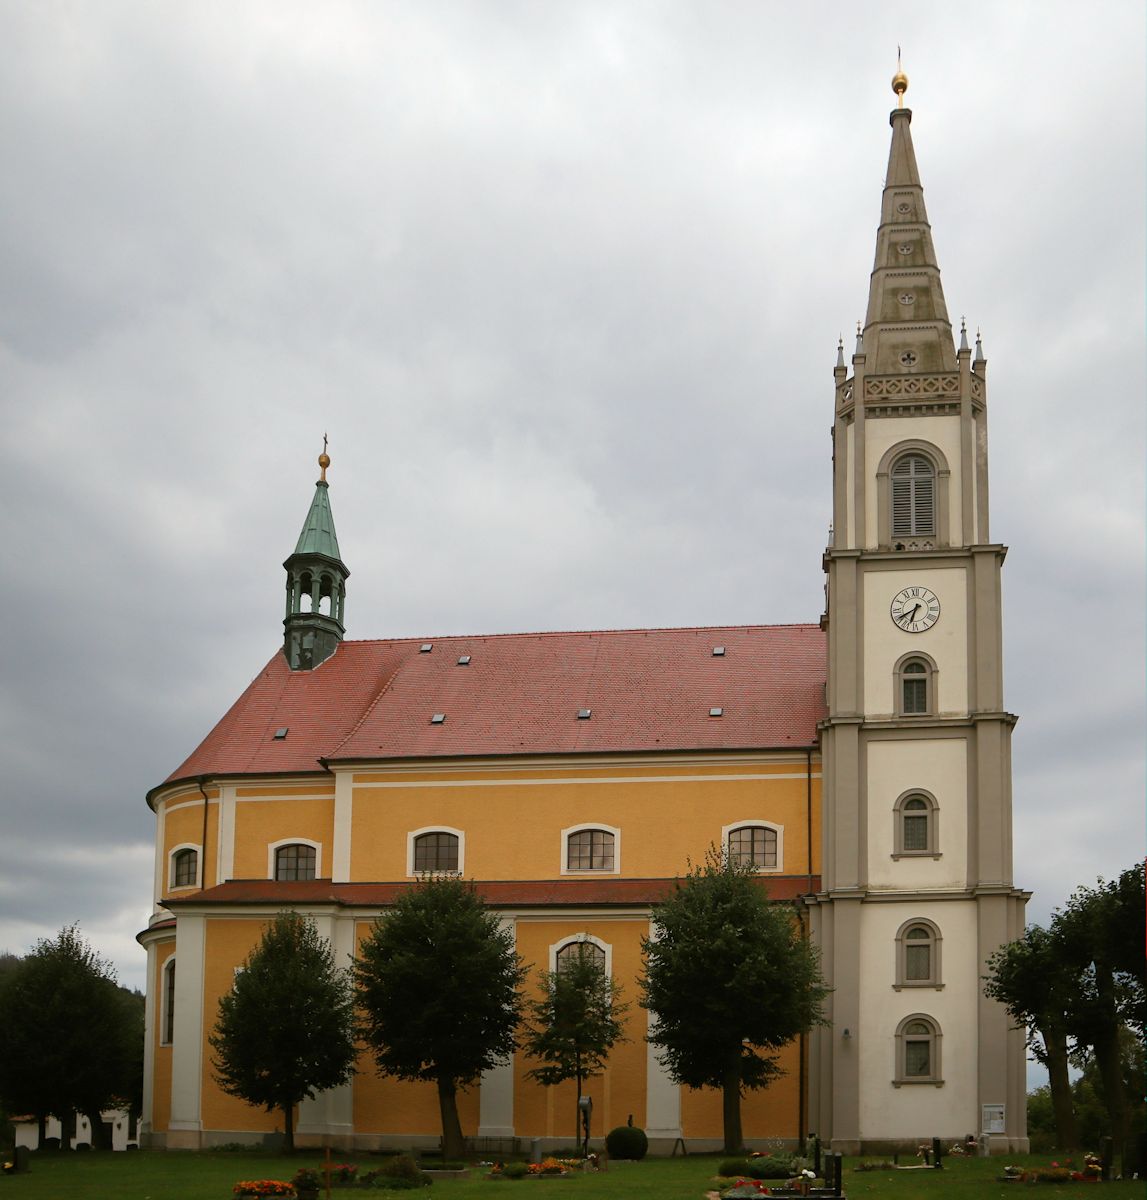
(917, 870)
(316, 584)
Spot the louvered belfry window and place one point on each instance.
(913, 496)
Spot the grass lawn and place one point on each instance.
(154, 1175)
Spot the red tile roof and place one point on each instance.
(506, 893)
(647, 689)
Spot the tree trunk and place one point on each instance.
(731, 1110)
(577, 1101)
(452, 1145)
(41, 1130)
(100, 1139)
(288, 1110)
(1059, 1083)
(67, 1129)
(1109, 1060)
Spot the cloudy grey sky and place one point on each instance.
(563, 282)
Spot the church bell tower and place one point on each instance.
(316, 584)
(917, 884)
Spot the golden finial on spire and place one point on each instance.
(324, 461)
(899, 82)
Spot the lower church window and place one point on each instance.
(918, 1050)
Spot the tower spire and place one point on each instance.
(316, 583)
(906, 327)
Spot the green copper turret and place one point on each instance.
(316, 584)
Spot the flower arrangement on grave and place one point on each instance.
(306, 1179)
(263, 1187)
(548, 1166)
(745, 1189)
(343, 1174)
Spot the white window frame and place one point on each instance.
(275, 847)
(585, 827)
(573, 938)
(172, 886)
(414, 834)
(756, 822)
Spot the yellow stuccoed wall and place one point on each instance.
(161, 1086)
(229, 941)
(667, 814)
(513, 820)
(620, 1090)
(261, 821)
(183, 825)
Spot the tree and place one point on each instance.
(1082, 983)
(730, 979)
(437, 980)
(69, 1041)
(1101, 932)
(285, 1030)
(575, 1023)
(1033, 980)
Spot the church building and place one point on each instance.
(861, 763)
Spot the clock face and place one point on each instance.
(915, 609)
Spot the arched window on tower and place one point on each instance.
(918, 955)
(918, 1050)
(916, 817)
(913, 496)
(915, 685)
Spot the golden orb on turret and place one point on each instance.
(324, 461)
(899, 83)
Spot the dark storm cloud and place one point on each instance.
(563, 283)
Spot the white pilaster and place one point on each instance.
(187, 1040)
(149, 1042)
(225, 858)
(344, 802)
(662, 1095)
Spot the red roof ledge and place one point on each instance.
(500, 893)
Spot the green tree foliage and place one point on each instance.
(730, 980)
(437, 981)
(285, 1030)
(71, 1039)
(1033, 980)
(1082, 981)
(576, 1022)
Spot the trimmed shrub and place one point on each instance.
(515, 1170)
(780, 1166)
(734, 1168)
(627, 1141)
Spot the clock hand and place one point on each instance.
(911, 616)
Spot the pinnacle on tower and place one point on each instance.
(316, 584)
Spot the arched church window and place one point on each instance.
(578, 951)
(295, 861)
(915, 686)
(918, 1050)
(916, 816)
(167, 1026)
(913, 496)
(918, 955)
(436, 851)
(591, 850)
(754, 846)
(184, 867)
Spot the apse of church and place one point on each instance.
(860, 763)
